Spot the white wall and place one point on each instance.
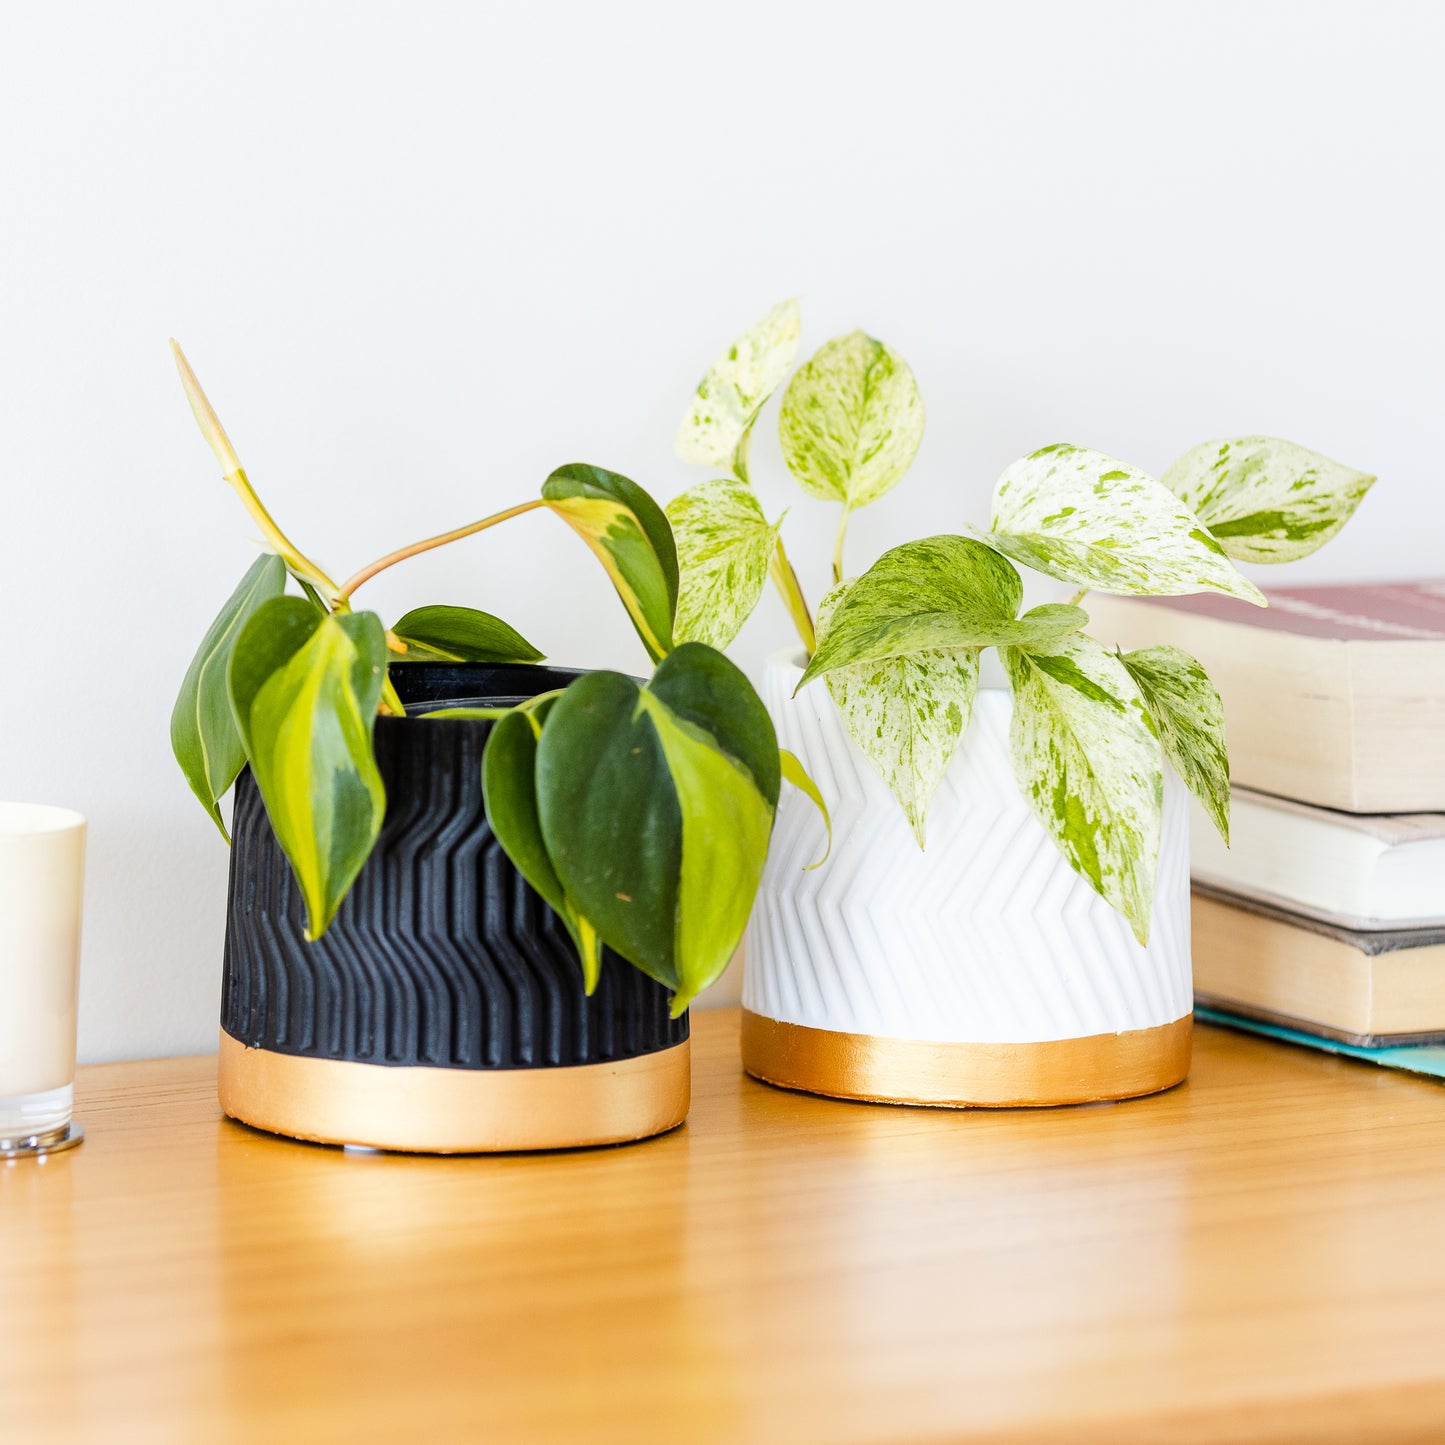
(422, 253)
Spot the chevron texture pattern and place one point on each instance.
(441, 954)
(987, 936)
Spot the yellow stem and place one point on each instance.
(215, 434)
(297, 562)
(838, 547)
(416, 548)
(786, 581)
(390, 699)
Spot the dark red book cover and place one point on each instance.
(1349, 612)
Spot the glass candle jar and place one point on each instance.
(42, 865)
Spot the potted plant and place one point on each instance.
(471, 896)
(1037, 952)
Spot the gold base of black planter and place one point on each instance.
(966, 1075)
(455, 1111)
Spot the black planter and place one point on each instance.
(443, 1010)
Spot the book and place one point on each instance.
(1426, 1059)
(1364, 871)
(1366, 989)
(1332, 695)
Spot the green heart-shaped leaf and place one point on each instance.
(1189, 718)
(1088, 519)
(509, 783)
(203, 732)
(655, 806)
(719, 423)
(304, 691)
(631, 537)
(1086, 756)
(1266, 500)
(941, 593)
(461, 634)
(724, 547)
(852, 421)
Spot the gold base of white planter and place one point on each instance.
(455, 1111)
(964, 1075)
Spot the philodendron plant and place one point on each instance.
(899, 647)
(641, 812)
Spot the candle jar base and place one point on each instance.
(66, 1137)
(38, 1123)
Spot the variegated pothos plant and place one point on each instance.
(899, 646)
(641, 812)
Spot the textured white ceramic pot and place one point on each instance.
(980, 971)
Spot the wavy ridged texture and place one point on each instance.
(442, 954)
(987, 937)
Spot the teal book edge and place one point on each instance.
(1413, 1058)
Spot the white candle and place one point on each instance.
(42, 864)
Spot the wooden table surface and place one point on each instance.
(1258, 1255)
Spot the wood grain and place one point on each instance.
(1255, 1255)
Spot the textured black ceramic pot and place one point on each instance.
(443, 1010)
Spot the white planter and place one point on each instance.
(980, 971)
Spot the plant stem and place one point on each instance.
(416, 548)
(469, 712)
(391, 703)
(301, 567)
(1078, 596)
(786, 581)
(297, 562)
(391, 700)
(312, 595)
(838, 546)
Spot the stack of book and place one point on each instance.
(1324, 922)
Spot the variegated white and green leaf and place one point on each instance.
(719, 423)
(724, 547)
(1266, 500)
(1189, 718)
(906, 714)
(304, 691)
(1086, 518)
(852, 421)
(629, 534)
(940, 593)
(1087, 758)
